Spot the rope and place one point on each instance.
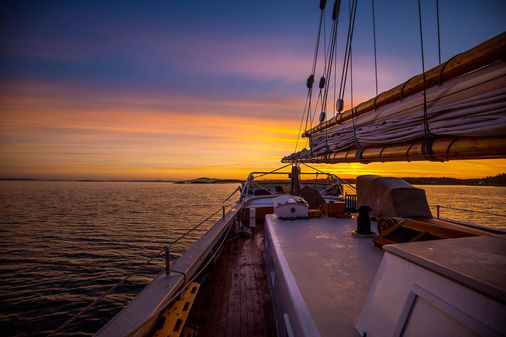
(374, 38)
(307, 106)
(438, 33)
(317, 47)
(349, 39)
(329, 63)
(318, 170)
(351, 98)
(425, 118)
(470, 210)
(279, 168)
(302, 120)
(315, 108)
(330, 60)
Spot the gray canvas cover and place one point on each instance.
(391, 197)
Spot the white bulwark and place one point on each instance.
(453, 287)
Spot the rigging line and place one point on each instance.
(335, 84)
(345, 57)
(324, 44)
(315, 108)
(329, 66)
(352, 29)
(344, 72)
(332, 48)
(275, 170)
(374, 38)
(317, 47)
(351, 92)
(310, 80)
(327, 84)
(329, 60)
(302, 120)
(308, 110)
(330, 174)
(329, 72)
(438, 33)
(425, 117)
(351, 101)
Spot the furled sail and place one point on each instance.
(467, 109)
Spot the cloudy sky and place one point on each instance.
(180, 89)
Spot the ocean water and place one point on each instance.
(64, 243)
(489, 201)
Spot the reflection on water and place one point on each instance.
(63, 243)
(484, 199)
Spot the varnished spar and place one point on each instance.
(473, 59)
(443, 149)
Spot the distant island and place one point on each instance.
(498, 180)
(205, 180)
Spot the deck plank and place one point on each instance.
(235, 299)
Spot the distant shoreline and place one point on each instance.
(498, 180)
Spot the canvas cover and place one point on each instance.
(391, 197)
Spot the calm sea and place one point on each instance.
(64, 243)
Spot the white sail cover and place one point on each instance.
(472, 105)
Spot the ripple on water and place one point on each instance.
(64, 243)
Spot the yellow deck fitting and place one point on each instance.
(176, 315)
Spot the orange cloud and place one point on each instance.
(55, 136)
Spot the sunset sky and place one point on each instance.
(182, 89)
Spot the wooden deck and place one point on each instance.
(234, 301)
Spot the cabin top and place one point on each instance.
(329, 266)
(476, 262)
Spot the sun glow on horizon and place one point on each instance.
(60, 138)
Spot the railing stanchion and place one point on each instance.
(437, 210)
(167, 260)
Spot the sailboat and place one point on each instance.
(305, 253)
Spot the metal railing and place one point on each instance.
(438, 207)
(168, 247)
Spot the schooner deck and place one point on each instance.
(235, 300)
